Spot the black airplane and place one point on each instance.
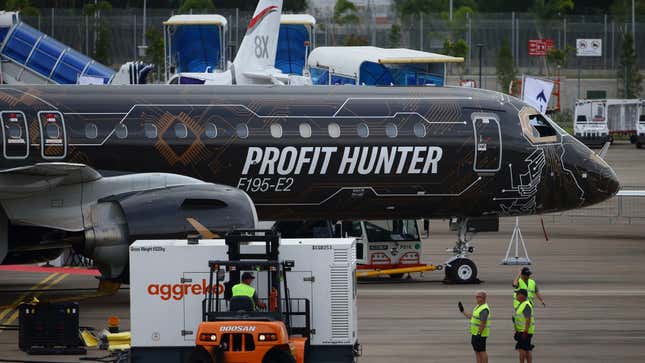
(97, 167)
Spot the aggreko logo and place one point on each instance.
(178, 291)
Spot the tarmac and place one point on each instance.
(592, 277)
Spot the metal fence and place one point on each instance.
(621, 209)
(423, 31)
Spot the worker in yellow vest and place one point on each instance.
(244, 288)
(479, 326)
(524, 322)
(525, 282)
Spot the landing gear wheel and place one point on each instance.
(462, 271)
(200, 355)
(278, 356)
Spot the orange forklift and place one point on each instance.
(233, 328)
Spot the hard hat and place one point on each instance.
(526, 271)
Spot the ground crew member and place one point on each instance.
(524, 322)
(524, 282)
(479, 326)
(244, 288)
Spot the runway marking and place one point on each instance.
(45, 284)
(24, 295)
(496, 292)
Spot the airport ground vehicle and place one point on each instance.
(170, 278)
(640, 129)
(390, 247)
(596, 121)
(245, 332)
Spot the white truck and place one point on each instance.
(169, 280)
(595, 121)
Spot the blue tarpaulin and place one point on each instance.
(196, 47)
(291, 55)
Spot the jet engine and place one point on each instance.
(100, 218)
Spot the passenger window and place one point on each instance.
(363, 130)
(391, 131)
(536, 127)
(121, 131)
(181, 132)
(52, 131)
(15, 132)
(211, 130)
(91, 131)
(334, 130)
(305, 130)
(276, 130)
(419, 129)
(150, 130)
(242, 131)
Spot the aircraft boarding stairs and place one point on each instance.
(31, 57)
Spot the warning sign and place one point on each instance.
(539, 47)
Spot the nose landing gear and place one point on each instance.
(460, 269)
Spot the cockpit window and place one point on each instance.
(536, 127)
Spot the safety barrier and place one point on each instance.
(625, 208)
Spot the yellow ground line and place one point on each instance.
(14, 316)
(25, 294)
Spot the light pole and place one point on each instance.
(480, 46)
(633, 25)
(450, 10)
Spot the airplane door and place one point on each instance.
(488, 144)
(53, 136)
(15, 135)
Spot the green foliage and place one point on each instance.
(457, 48)
(394, 36)
(91, 9)
(558, 57)
(551, 9)
(622, 9)
(506, 71)
(628, 74)
(24, 6)
(187, 5)
(155, 51)
(102, 46)
(354, 40)
(414, 7)
(345, 12)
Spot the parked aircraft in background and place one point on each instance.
(254, 62)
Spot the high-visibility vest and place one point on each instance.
(520, 320)
(242, 289)
(475, 321)
(530, 289)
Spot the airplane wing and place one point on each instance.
(275, 78)
(632, 193)
(24, 180)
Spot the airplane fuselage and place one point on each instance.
(316, 153)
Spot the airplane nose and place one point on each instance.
(603, 182)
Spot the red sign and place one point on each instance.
(539, 47)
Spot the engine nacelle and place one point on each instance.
(107, 239)
(119, 220)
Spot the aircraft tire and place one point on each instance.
(200, 355)
(462, 271)
(278, 356)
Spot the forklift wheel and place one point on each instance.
(462, 271)
(278, 356)
(200, 355)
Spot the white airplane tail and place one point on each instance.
(258, 49)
